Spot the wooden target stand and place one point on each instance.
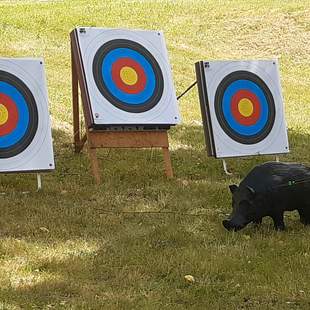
(106, 138)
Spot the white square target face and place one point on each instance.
(246, 108)
(25, 131)
(128, 76)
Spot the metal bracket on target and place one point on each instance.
(225, 167)
(39, 182)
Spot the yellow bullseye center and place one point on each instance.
(245, 107)
(129, 75)
(4, 114)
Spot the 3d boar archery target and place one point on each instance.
(128, 77)
(25, 137)
(245, 108)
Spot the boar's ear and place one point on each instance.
(251, 190)
(233, 188)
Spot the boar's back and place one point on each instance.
(272, 174)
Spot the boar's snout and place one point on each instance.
(230, 225)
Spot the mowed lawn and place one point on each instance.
(76, 245)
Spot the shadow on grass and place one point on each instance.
(74, 254)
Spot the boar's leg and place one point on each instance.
(278, 221)
(304, 216)
(258, 221)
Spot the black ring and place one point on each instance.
(218, 103)
(159, 80)
(24, 142)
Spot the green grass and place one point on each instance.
(76, 245)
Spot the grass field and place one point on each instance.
(76, 245)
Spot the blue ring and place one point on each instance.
(23, 116)
(250, 86)
(106, 71)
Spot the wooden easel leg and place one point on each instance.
(167, 160)
(94, 164)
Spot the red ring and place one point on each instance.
(128, 62)
(11, 123)
(243, 120)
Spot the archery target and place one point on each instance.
(246, 108)
(128, 76)
(25, 133)
(16, 133)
